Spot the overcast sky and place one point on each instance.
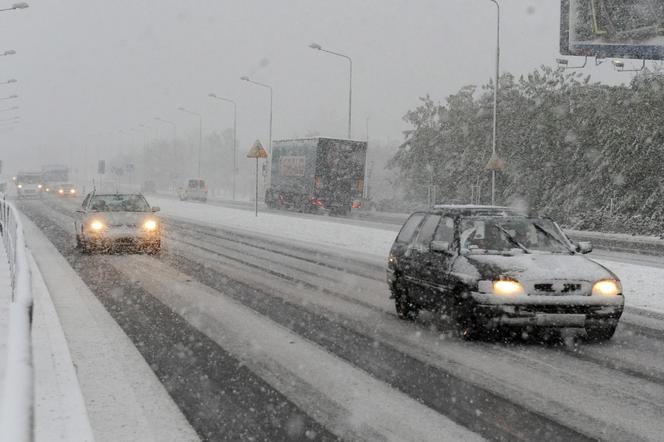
(88, 69)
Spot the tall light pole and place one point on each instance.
(21, 5)
(495, 104)
(228, 100)
(200, 134)
(247, 79)
(350, 81)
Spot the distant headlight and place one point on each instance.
(150, 224)
(39, 186)
(61, 191)
(502, 287)
(96, 225)
(607, 287)
(72, 190)
(48, 190)
(20, 186)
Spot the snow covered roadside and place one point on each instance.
(642, 284)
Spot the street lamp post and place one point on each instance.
(495, 101)
(200, 134)
(350, 81)
(247, 79)
(228, 100)
(21, 5)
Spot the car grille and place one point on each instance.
(560, 288)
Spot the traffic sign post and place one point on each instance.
(257, 151)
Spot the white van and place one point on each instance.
(193, 189)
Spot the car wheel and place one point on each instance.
(598, 333)
(405, 308)
(80, 245)
(464, 319)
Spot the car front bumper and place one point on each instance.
(547, 311)
(121, 237)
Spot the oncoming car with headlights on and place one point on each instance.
(491, 269)
(65, 190)
(109, 221)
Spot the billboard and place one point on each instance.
(613, 28)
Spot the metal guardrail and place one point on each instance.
(17, 412)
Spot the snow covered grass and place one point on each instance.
(642, 284)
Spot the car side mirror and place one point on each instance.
(156, 209)
(440, 247)
(584, 247)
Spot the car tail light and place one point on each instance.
(356, 205)
(317, 202)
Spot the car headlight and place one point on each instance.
(72, 190)
(607, 287)
(61, 190)
(20, 186)
(150, 224)
(96, 225)
(48, 190)
(39, 186)
(502, 287)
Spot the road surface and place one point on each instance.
(261, 338)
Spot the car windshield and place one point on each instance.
(119, 203)
(508, 234)
(28, 179)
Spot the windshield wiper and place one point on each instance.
(551, 235)
(511, 239)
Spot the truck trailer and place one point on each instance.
(316, 174)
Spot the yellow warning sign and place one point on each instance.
(257, 151)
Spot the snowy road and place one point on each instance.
(285, 334)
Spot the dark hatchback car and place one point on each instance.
(492, 268)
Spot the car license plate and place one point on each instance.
(560, 319)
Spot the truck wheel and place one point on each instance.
(599, 333)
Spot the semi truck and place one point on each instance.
(316, 174)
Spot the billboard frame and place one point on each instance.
(602, 50)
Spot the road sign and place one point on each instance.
(495, 164)
(257, 151)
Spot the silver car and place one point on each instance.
(109, 221)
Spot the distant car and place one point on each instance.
(64, 190)
(194, 189)
(107, 221)
(491, 268)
